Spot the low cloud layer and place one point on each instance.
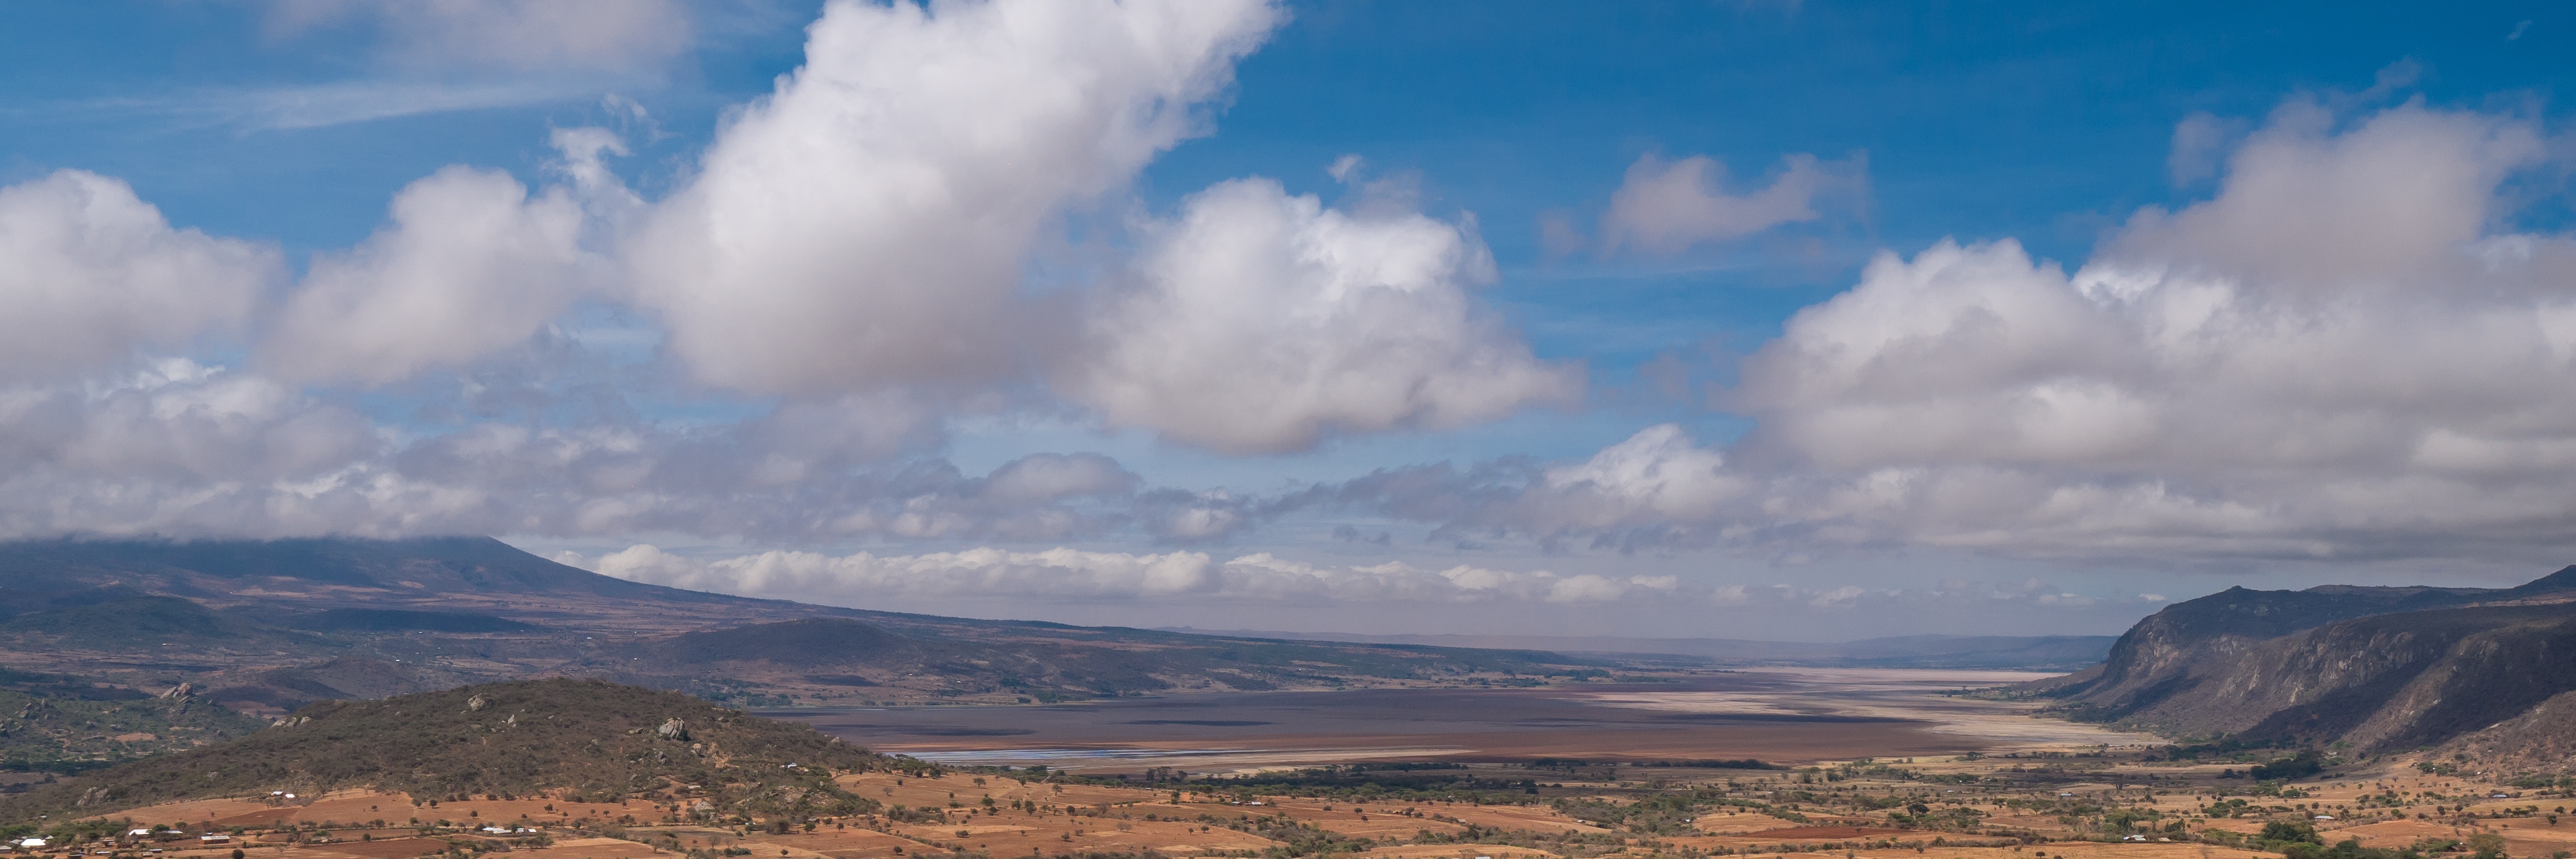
(1256, 588)
(1083, 575)
(185, 450)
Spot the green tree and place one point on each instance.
(2291, 831)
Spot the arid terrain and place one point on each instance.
(2070, 804)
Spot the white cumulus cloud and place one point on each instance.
(867, 224)
(2337, 354)
(90, 275)
(471, 264)
(1263, 321)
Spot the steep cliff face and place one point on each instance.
(2177, 650)
(2386, 669)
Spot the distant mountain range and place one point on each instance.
(2036, 653)
(267, 626)
(264, 627)
(2378, 670)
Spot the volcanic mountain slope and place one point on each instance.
(119, 620)
(364, 569)
(2383, 669)
(268, 626)
(576, 739)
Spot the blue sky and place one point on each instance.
(288, 129)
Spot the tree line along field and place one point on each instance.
(2078, 805)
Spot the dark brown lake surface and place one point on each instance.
(1783, 715)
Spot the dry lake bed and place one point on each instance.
(1779, 715)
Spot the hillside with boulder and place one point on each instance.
(581, 740)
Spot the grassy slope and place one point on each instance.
(586, 737)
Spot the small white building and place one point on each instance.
(31, 844)
(215, 838)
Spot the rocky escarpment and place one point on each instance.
(2542, 740)
(2384, 669)
(2173, 651)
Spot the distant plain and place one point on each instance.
(1775, 715)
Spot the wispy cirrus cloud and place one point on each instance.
(518, 35)
(308, 106)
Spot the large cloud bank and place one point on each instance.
(2349, 350)
(856, 247)
(2339, 355)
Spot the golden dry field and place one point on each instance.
(2038, 803)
